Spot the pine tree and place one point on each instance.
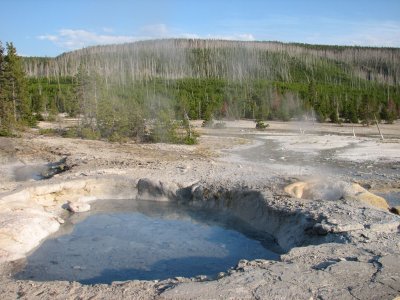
(5, 107)
(367, 109)
(351, 112)
(388, 112)
(83, 96)
(13, 94)
(15, 77)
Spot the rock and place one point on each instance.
(221, 275)
(155, 190)
(297, 189)
(358, 193)
(385, 227)
(78, 207)
(321, 229)
(335, 191)
(348, 227)
(201, 277)
(242, 263)
(59, 220)
(22, 231)
(395, 210)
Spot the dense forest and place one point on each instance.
(116, 90)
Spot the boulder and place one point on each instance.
(78, 207)
(336, 191)
(358, 193)
(395, 210)
(297, 189)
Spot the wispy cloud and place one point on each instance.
(108, 29)
(367, 33)
(71, 39)
(155, 30)
(325, 30)
(377, 34)
(235, 37)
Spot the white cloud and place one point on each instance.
(155, 30)
(378, 34)
(71, 39)
(233, 37)
(246, 37)
(108, 29)
(49, 37)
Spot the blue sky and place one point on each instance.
(51, 27)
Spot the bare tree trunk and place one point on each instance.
(14, 102)
(377, 125)
(199, 109)
(188, 121)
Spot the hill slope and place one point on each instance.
(172, 59)
(220, 78)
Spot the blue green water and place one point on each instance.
(147, 241)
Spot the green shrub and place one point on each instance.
(219, 125)
(89, 134)
(261, 125)
(70, 133)
(115, 137)
(5, 132)
(190, 140)
(49, 131)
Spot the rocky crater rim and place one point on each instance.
(30, 215)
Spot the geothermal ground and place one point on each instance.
(316, 188)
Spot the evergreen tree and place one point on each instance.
(5, 105)
(86, 94)
(14, 101)
(367, 109)
(388, 112)
(15, 86)
(351, 114)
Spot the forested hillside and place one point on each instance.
(115, 87)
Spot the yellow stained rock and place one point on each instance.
(297, 189)
(304, 189)
(357, 192)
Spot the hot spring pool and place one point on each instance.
(146, 240)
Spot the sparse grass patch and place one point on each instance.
(49, 131)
